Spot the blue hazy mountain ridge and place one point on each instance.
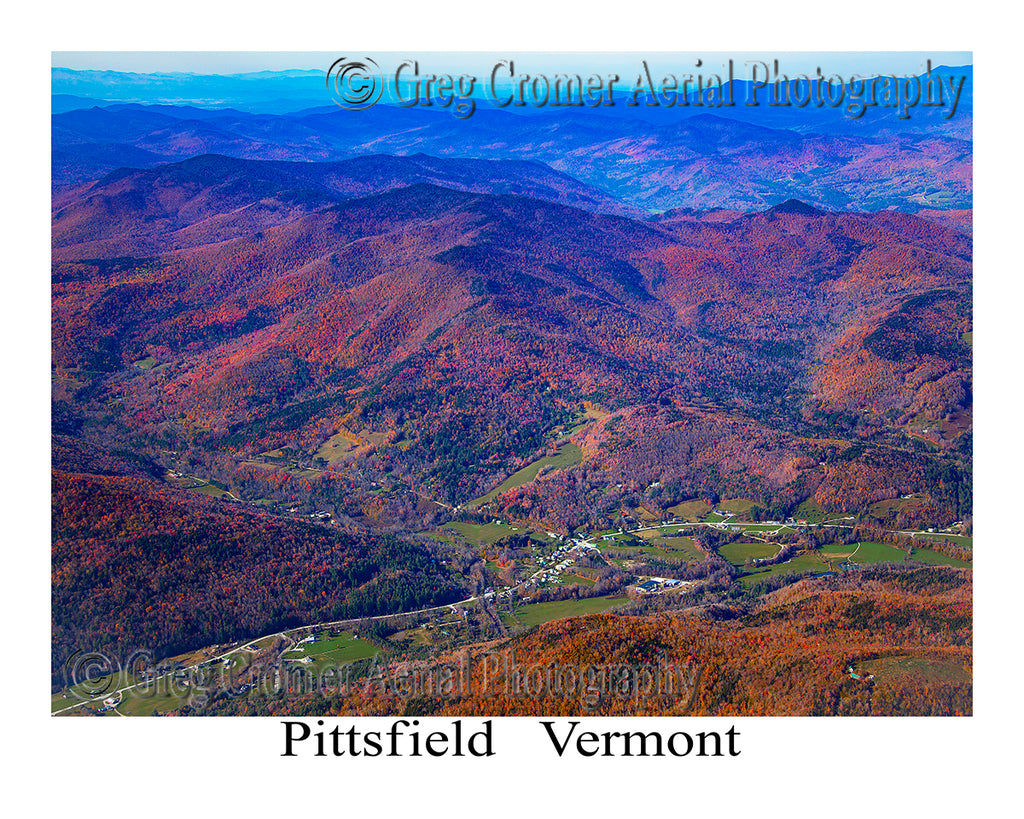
(699, 161)
(757, 105)
(652, 158)
(62, 103)
(272, 91)
(291, 91)
(300, 93)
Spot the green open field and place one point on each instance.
(479, 533)
(887, 508)
(419, 636)
(210, 489)
(205, 487)
(673, 548)
(164, 694)
(150, 365)
(146, 703)
(959, 540)
(651, 544)
(567, 455)
(645, 515)
(881, 553)
(375, 438)
(338, 446)
(811, 511)
(589, 414)
(61, 700)
(339, 650)
(537, 613)
(936, 559)
(691, 510)
(304, 473)
(906, 669)
(737, 553)
(737, 506)
(102, 687)
(803, 562)
(863, 553)
(941, 430)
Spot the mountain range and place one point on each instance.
(699, 160)
(369, 334)
(265, 287)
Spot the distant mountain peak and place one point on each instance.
(794, 206)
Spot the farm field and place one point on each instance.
(903, 669)
(340, 650)
(798, 564)
(375, 438)
(100, 686)
(691, 510)
(737, 553)
(940, 431)
(412, 637)
(589, 414)
(61, 700)
(738, 506)
(537, 613)
(676, 547)
(679, 549)
(165, 694)
(567, 455)
(210, 489)
(811, 511)
(881, 553)
(863, 553)
(145, 704)
(479, 533)
(577, 579)
(646, 515)
(936, 559)
(938, 537)
(265, 642)
(885, 509)
(338, 446)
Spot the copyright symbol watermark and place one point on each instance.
(355, 84)
(90, 674)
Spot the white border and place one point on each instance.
(881, 767)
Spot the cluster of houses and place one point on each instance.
(559, 560)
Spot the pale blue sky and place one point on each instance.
(479, 63)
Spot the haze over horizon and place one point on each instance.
(235, 63)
